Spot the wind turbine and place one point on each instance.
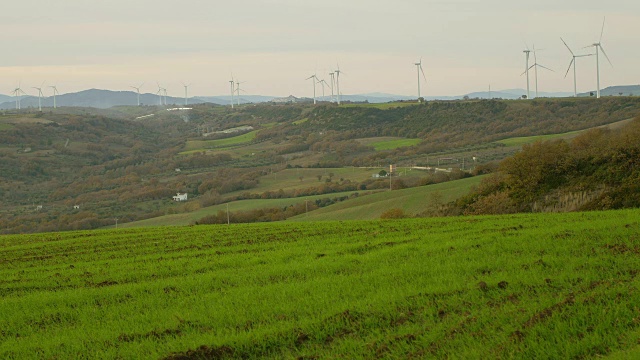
(16, 93)
(420, 70)
(526, 69)
(238, 90)
(231, 82)
(39, 96)
(313, 78)
(573, 62)
(138, 90)
(598, 47)
(55, 92)
(536, 66)
(323, 83)
(333, 81)
(338, 82)
(186, 101)
(159, 93)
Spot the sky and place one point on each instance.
(274, 45)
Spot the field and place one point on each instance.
(412, 201)
(383, 106)
(241, 205)
(201, 145)
(389, 143)
(522, 286)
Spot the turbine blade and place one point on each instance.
(605, 55)
(571, 63)
(565, 44)
(423, 75)
(602, 31)
(544, 67)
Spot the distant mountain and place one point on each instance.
(5, 98)
(626, 90)
(95, 98)
(244, 99)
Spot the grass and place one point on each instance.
(412, 201)
(241, 205)
(6, 126)
(521, 286)
(383, 106)
(394, 144)
(201, 145)
(519, 141)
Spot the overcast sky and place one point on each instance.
(273, 45)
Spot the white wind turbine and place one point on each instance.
(231, 82)
(314, 79)
(238, 90)
(186, 101)
(333, 81)
(598, 47)
(526, 69)
(536, 66)
(16, 93)
(39, 96)
(420, 70)
(573, 62)
(159, 93)
(323, 83)
(55, 92)
(338, 83)
(138, 91)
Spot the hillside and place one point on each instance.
(127, 162)
(597, 169)
(521, 286)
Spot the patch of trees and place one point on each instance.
(600, 169)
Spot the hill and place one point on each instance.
(95, 98)
(623, 90)
(521, 286)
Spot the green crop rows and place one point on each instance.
(523, 286)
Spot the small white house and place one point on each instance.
(76, 207)
(39, 207)
(180, 197)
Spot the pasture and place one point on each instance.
(518, 286)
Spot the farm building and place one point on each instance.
(180, 197)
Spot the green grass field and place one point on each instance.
(394, 144)
(519, 141)
(412, 201)
(241, 205)
(201, 145)
(383, 106)
(532, 286)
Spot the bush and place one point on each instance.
(394, 213)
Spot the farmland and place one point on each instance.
(518, 286)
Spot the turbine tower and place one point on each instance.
(16, 93)
(39, 96)
(313, 78)
(526, 70)
(323, 83)
(333, 81)
(138, 91)
(573, 62)
(159, 93)
(536, 66)
(338, 83)
(599, 48)
(420, 70)
(186, 101)
(55, 92)
(238, 90)
(231, 82)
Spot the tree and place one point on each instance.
(382, 173)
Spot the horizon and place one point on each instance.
(274, 45)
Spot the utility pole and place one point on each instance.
(228, 218)
(116, 223)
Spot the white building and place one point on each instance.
(180, 197)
